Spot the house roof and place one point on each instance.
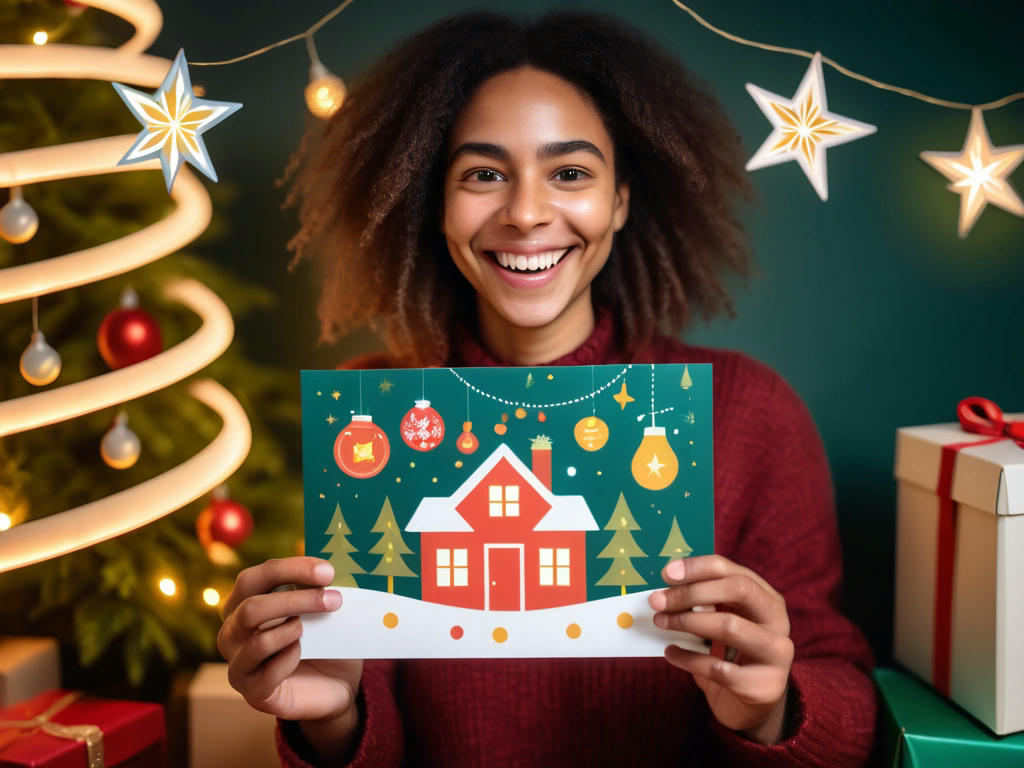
(440, 514)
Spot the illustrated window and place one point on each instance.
(452, 567)
(554, 567)
(504, 500)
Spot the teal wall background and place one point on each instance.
(868, 304)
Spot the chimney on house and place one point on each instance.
(540, 453)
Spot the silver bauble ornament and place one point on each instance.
(18, 222)
(120, 447)
(40, 363)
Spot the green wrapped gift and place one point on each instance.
(921, 729)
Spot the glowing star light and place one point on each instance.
(173, 120)
(803, 128)
(979, 173)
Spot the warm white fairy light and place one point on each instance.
(40, 37)
(5, 521)
(167, 586)
(211, 597)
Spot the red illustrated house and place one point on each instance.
(503, 541)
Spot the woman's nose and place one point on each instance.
(528, 205)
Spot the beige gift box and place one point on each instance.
(986, 628)
(28, 666)
(223, 729)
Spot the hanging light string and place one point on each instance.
(518, 404)
(849, 73)
(307, 35)
(35, 313)
(652, 411)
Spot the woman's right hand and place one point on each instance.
(260, 641)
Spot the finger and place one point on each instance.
(755, 642)
(265, 611)
(740, 591)
(759, 684)
(705, 567)
(260, 646)
(266, 576)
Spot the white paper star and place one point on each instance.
(804, 128)
(173, 119)
(654, 465)
(979, 173)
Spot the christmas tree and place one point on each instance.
(675, 545)
(622, 548)
(339, 549)
(139, 606)
(390, 547)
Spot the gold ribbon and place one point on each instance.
(91, 735)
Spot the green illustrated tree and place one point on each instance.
(675, 545)
(103, 604)
(621, 549)
(339, 547)
(390, 547)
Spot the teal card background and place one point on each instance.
(564, 395)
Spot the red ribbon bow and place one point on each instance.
(982, 417)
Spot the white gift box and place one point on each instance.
(28, 666)
(982, 559)
(223, 729)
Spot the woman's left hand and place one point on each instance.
(747, 693)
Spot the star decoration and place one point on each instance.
(803, 128)
(654, 465)
(173, 120)
(335, 394)
(980, 173)
(623, 397)
(385, 386)
(330, 418)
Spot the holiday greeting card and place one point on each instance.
(504, 512)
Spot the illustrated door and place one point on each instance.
(504, 577)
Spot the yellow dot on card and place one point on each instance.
(322, 496)
(624, 620)
(398, 479)
(412, 465)
(551, 376)
(390, 620)
(599, 472)
(520, 413)
(500, 429)
(500, 635)
(573, 631)
(433, 479)
(458, 464)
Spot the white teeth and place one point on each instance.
(532, 263)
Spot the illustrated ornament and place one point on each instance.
(18, 222)
(591, 433)
(223, 521)
(979, 173)
(128, 335)
(655, 465)
(803, 128)
(40, 363)
(623, 397)
(120, 447)
(361, 449)
(467, 442)
(173, 122)
(422, 428)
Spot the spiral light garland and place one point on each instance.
(73, 529)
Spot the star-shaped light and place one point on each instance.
(173, 120)
(654, 466)
(979, 173)
(335, 394)
(803, 128)
(330, 418)
(623, 397)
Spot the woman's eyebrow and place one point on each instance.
(557, 148)
(478, 148)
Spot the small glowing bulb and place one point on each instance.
(5, 521)
(211, 596)
(325, 92)
(40, 37)
(168, 587)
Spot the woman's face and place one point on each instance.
(530, 198)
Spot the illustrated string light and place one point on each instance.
(521, 404)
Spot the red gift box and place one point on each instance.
(65, 729)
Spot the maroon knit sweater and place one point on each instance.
(773, 513)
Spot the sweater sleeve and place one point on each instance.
(787, 533)
(380, 743)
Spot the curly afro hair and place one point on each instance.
(369, 183)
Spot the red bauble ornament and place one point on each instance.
(128, 335)
(361, 449)
(467, 442)
(422, 428)
(225, 521)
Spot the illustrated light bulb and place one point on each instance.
(325, 92)
(18, 222)
(40, 363)
(655, 465)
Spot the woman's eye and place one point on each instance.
(571, 174)
(485, 175)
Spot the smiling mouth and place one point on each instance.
(534, 262)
